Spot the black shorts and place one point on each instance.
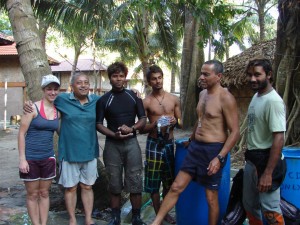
(197, 160)
(44, 169)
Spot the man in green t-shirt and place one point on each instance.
(265, 139)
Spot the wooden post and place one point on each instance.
(5, 101)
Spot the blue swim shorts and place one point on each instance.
(197, 160)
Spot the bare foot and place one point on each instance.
(90, 222)
(72, 223)
(169, 219)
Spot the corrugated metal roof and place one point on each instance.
(11, 50)
(82, 65)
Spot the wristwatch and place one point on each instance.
(133, 128)
(221, 158)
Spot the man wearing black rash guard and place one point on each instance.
(120, 107)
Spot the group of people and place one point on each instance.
(215, 133)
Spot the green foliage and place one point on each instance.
(152, 30)
(80, 22)
(217, 24)
(252, 10)
(76, 13)
(144, 30)
(5, 26)
(222, 23)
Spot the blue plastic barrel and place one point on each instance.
(290, 188)
(191, 207)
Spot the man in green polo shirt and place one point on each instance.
(78, 145)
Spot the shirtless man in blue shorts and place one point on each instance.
(215, 133)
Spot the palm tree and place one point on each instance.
(191, 62)
(142, 30)
(32, 55)
(258, 13)
(203, 19)
(80, 22)
(129, 30)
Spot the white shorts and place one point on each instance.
(70, 174)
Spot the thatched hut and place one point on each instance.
(234, 77)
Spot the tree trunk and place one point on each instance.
(261, 5)
(286, 65)
(75, 61)
(191, 62)
(209, 48)
(147, 88)
(226, 50)
(43, 28)
(143, 44)
(95, 72)
(173, 78)
(32, 55)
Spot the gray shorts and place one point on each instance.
(124, 155)
(257, 202)
(71, 173)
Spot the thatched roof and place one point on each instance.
(235, 66)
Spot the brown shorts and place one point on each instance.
(124, 155)
(40, 170)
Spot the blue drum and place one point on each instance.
(290, 187)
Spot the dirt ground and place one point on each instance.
(12, 192)
(9, 154)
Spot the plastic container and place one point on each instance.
(191, 207)
(290, 187)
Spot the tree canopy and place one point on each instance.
(154, 31)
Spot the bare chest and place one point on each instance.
(163, 108)
(209, 107)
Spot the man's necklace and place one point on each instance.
(160, 102)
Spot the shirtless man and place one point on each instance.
(215, 133)
(163, 112)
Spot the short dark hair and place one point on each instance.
(117, 67)
(153, 69)
(218, 66)
(264, 63)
